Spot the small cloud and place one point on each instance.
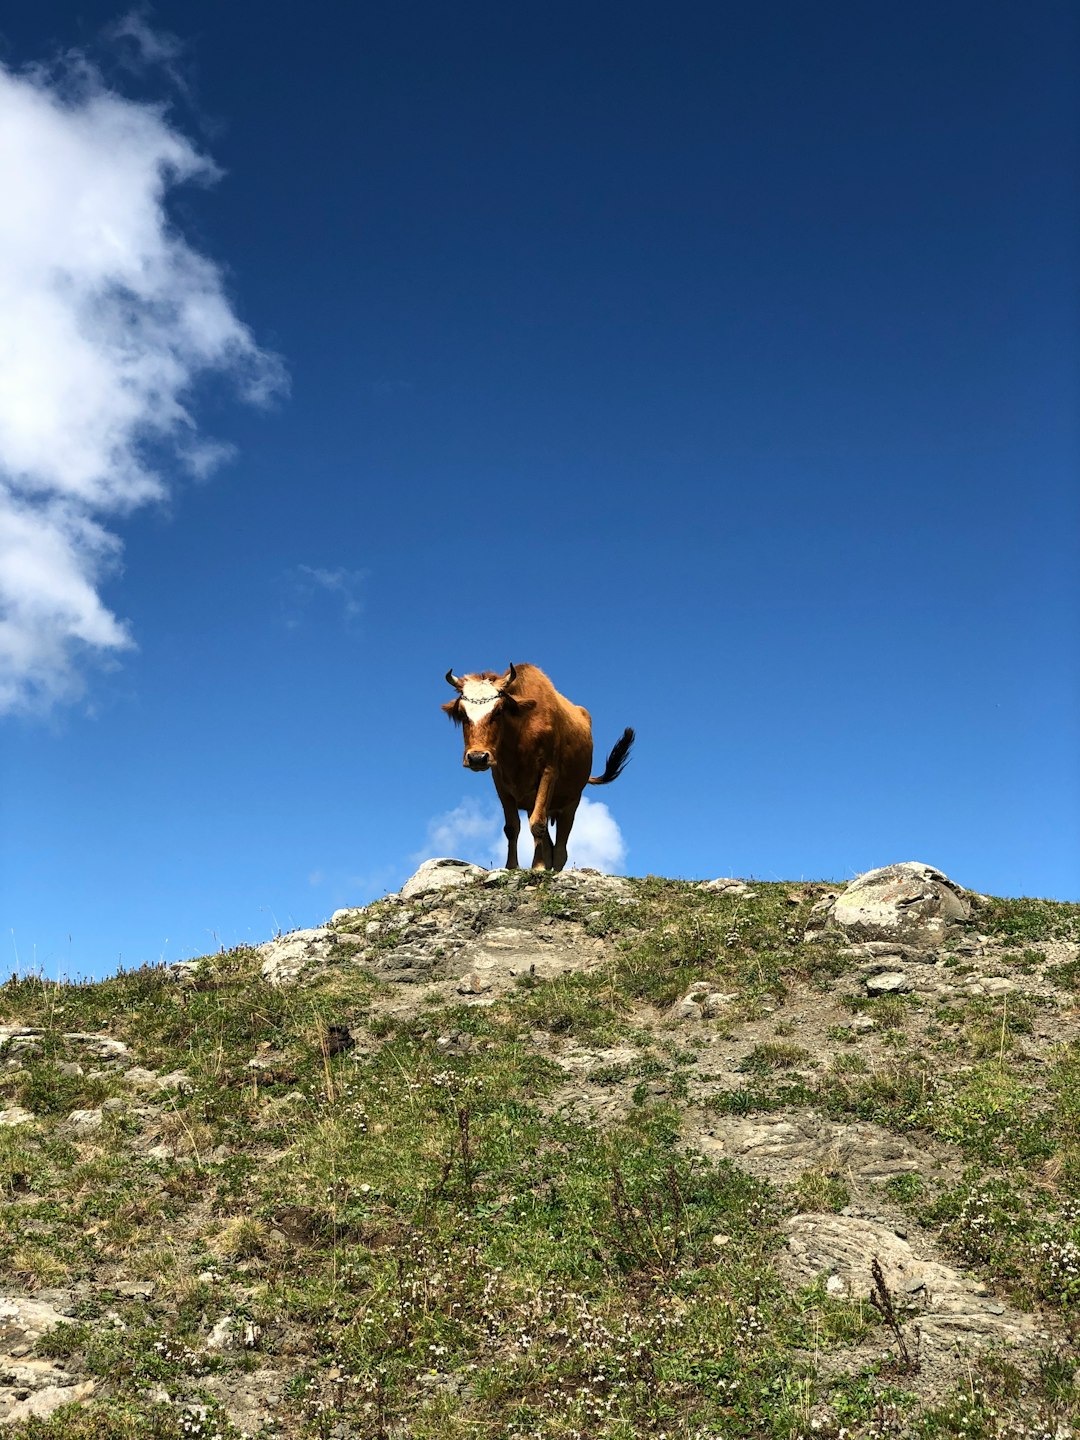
(139, 46)
(307, 584)
(388, 389)
(473, 831)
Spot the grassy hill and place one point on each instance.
(552, 1156)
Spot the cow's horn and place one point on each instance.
(511, 676)
(451, 679)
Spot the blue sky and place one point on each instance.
(721, 360)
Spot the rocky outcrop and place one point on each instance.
(441, 874)
(948, 1305)
(31, 1388)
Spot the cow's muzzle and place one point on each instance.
(478, 760)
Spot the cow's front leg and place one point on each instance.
(543, 855)
(511, 828)
(564, 821)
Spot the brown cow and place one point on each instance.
(538, 747)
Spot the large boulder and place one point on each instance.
(440, 874)
(906, 904)
(285, 958)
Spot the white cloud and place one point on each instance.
(473, 831)
(107, 318)
(596, 842)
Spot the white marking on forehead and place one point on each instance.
(478, 697)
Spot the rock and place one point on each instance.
(406, 965)
(15, 1115)
(910, 903)
(40, 1404)
(114, 1106)
(25, 1047)
(83, 1123)
(350, 916)
(888, 982)
(285, 958)
(223, 1335)
(103, 1046)
(459, 1043)
(949, 1305)
(782, 1145)
(135, 1289)
(440, 874)
(176, 1080)
(593, 884)
(473, 984)
(998, 985)
(715, 1002)
(23, 1321)
(11, 1032)
(686, 1010)
(726, 886)
(140, 1077)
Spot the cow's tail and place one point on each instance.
(616, 761)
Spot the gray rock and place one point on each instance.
(440, 874)
(726, 886)
(140, 1077)
(686, 1010)
(287, 957)
(176, 1080)
(104, 1047)
(223, 1334)
(349, 916)
(25, 1047)
(998, 985)
(23, 1321)
(782, 1145)
(910, 903)
(473, 984)
(888, 982)
(82, 1123)
(135, 1289)
(406, 965)
(15, 1115)
(40, 1404)
(948, 1302)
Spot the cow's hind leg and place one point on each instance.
(511, 829)
(564, 822)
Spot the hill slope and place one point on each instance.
(557, 1155)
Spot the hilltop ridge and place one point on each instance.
(515, 1153)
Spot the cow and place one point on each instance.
(537, 746)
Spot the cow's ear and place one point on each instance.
(517, 707)
(453, 709)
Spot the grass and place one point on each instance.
(410, 1242)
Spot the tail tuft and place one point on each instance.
(616, 761)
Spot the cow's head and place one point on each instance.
(484, 705)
